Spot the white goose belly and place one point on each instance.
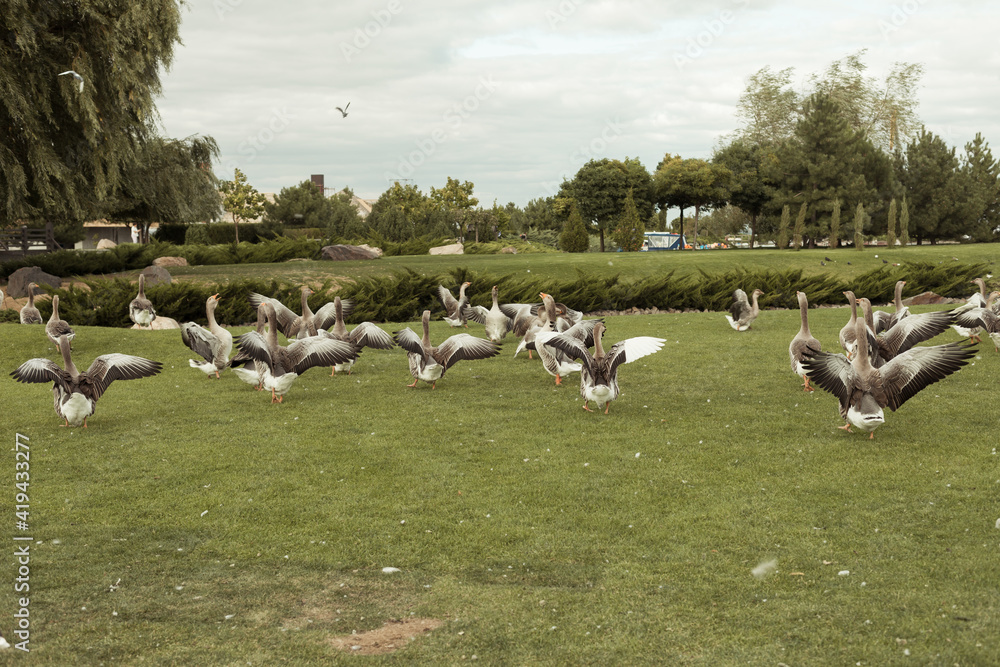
(77, 408)
(866, 420)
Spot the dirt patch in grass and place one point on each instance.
(393, 636)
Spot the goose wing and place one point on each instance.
(107, 368)
(572, 346)
(583, 331)
(448, 299)
(833, 373)
(740, 306)
(971, 318)
(911, 371)
(409, 341)
(477, 314)
(630, 349)
(201, 341)
(914, 329)
(327, 314)
(305, 353)
(367, 334)
(464, 346)
(288, 321)
(254, 345)
(42, 370)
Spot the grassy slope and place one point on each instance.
(628, 265)
(531, 527)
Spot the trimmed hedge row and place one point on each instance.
(404, 295)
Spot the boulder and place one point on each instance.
(930, 299)
(453, 249)
(17, 286)
(339, 253)
(106, 244)
(170, 261)
(377, 251)
(160, 322)
(156, 275)
(509, 250)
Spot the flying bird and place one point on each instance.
(343, 111)
(75, 76)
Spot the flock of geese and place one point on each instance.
(881, 366)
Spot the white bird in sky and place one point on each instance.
(75, 76)
(344, 110)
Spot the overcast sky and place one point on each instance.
(515, 95)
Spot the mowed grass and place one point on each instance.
(629, 266)
(195, 523)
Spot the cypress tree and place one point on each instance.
(800, 226)
(574, 236)
(835, 225)
(904, 224)
(782, 241)
(890, 236)
(629, 233)
(859, 227)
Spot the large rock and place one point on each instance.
(453, 249)
(17, 286)
(156, 275)
(160, 322)
(170, 261)
(339, 253)
(106, 244)
(377, 251)
(930, 299)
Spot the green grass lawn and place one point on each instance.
(628, 265)
(195, 523)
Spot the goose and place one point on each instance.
(290, 324)
(429, 363)
(904, 334)
(497, 324)
(983, 319)
(848, 333)
(742, 313)
(239, 362)
(365, 334)
(526, 320)
(883, 320)
(454, 308)
(57, 327)
(978, 299)
(140, 310)
(555, 361)
(30, 314)
(599, 375)
(285, 364)
(75, 394)
(804, 343)
(864, 391)
(213, 344)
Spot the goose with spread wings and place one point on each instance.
(742, 312)
(984, 318)
(864, 390)
(497, 324)
(212, 344)
(599, 375)
(75, 394)
(556, 361)
(286, 364)
(290, 324)
(454, 308)
(429, 362)
(366, 334)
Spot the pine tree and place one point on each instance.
(890, 236)
(63, 147)
(859, 227)
(835, 225)
(800, 226)
(904, 224)
(242, 200)
(782, 241)
(629, 233)
(574, 237)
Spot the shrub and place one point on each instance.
(197, 235)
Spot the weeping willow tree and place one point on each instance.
(65, 142)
